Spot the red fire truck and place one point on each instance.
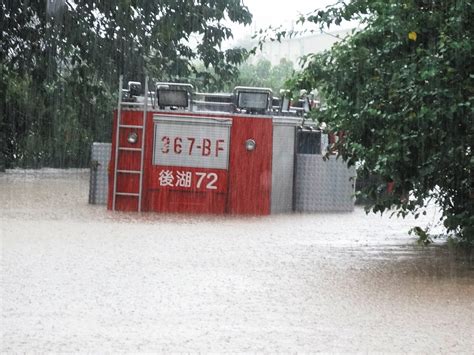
(175, 150)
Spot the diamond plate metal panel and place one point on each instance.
(323, 186)
(283, 167)
(100, 157)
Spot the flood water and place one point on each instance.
(76, 277)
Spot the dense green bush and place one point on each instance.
(402, 90)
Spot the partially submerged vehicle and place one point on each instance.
(245, 152)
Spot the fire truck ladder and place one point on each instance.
(119, 148)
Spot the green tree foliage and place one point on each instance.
(402, 90)
(260, 74)
(60, 62)
(263, 74)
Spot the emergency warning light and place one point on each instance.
(252, 99)
(172, 97)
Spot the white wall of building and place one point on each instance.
(294, 48)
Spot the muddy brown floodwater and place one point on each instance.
(77, 277)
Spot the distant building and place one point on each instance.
(293, 48)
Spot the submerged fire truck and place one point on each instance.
(245, 152)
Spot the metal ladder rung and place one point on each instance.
(130, 126)
(130, 194)
(131, 149)
(126, 103)
(129, 171)
(118, 148)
